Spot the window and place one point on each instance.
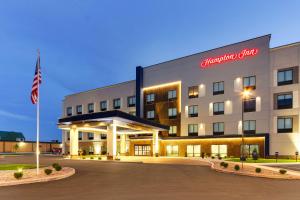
(142, 150)
(150, 114)
(249, 105)
(219, 150)
(69, 111)
(218, 128)
(173, 130)
(218, 88)
(285, 77)
(219, 108)
(90, 136)
(285, 101)
(172, 94)
(284, 124)
(132, 113)
(172, 113)
(79, 109)
(193, 111)
(117, 103)
(172, 150)
(249, 82)
(193, 150)
(193, 92)
(103, 136)
(91, 107)
(103, 105)
(249, 149)
(68, 135)
(193, 129)
(249, 126)
(79, 135)
(150, 98)
(131, 101)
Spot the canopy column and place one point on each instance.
(123, 144)
(74, 142)
(155, 144)
(112, 140)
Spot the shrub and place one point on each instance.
(282, 171)
(55, 164)
(254, 155)
(48, 171)
(212, 157)
(58, 168)
(237, 167)
(83, 158)
(220, 158)
(18, 175)
(99, 158)
(222, 164)
(257, 170)
(92, 158)
(225, 164)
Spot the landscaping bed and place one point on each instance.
(263, 160)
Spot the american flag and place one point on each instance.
(37, 80)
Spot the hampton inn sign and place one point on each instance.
(208, 62)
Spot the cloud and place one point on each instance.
(15, 116)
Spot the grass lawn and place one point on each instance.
(16, 166)
(263, 160)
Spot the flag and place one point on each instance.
(36, 81)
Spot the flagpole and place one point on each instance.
(38, 122)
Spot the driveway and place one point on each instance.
(117, 180)
(295, 167)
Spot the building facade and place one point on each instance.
(196, 105)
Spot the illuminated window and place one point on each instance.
(103, 105)
(91, 107)
(173, 130)
(150, 98)
(250, 105)
(79, 135)
(193, 111)
(219, 150)
(172, 150)
(284, 124)
(218, 88)
(172, 94)
(219, 108)
(150, 114)
(117, 103)
(218, 128)
(131, 101)
(193, 129)
(193, 150)
(249, 82)
(193, 92)
(249, 126)
(285, 101)
(285, 77)
(69, 111)
(249, 149)
(172, 113)
(79, 109)
(90, 136)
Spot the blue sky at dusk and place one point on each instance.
(88, 44)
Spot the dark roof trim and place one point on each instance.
(112, 113)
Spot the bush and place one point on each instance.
(212, 157)
(282, 171)
(237, 167)
(222, 164)
(257, 170)
(83, 158)
(48, 171)
(99, 158)
(58, 168)
(18, 175)
(225, 164)
(55, 164)
(220, 158)
(92, 158)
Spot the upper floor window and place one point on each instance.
(91, 107)
(172, 94)
(250, 105)
(173, 130)
(150, 114)
(103, 105)
(249, 126)
(193, 111)
(150, 98)
(90, 136)
(219, 108)
(69, 111)
(117, 103)
(193, 129)
(285, 101)
(79, 109)
(285, 77)
(80, 135)
(218, 128)
(172, 113)
(193, 92)
(284, 124)
(131, 101)
(249, 82)
(218, 88)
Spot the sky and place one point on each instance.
(86, 44)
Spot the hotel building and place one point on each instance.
(217, 102)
